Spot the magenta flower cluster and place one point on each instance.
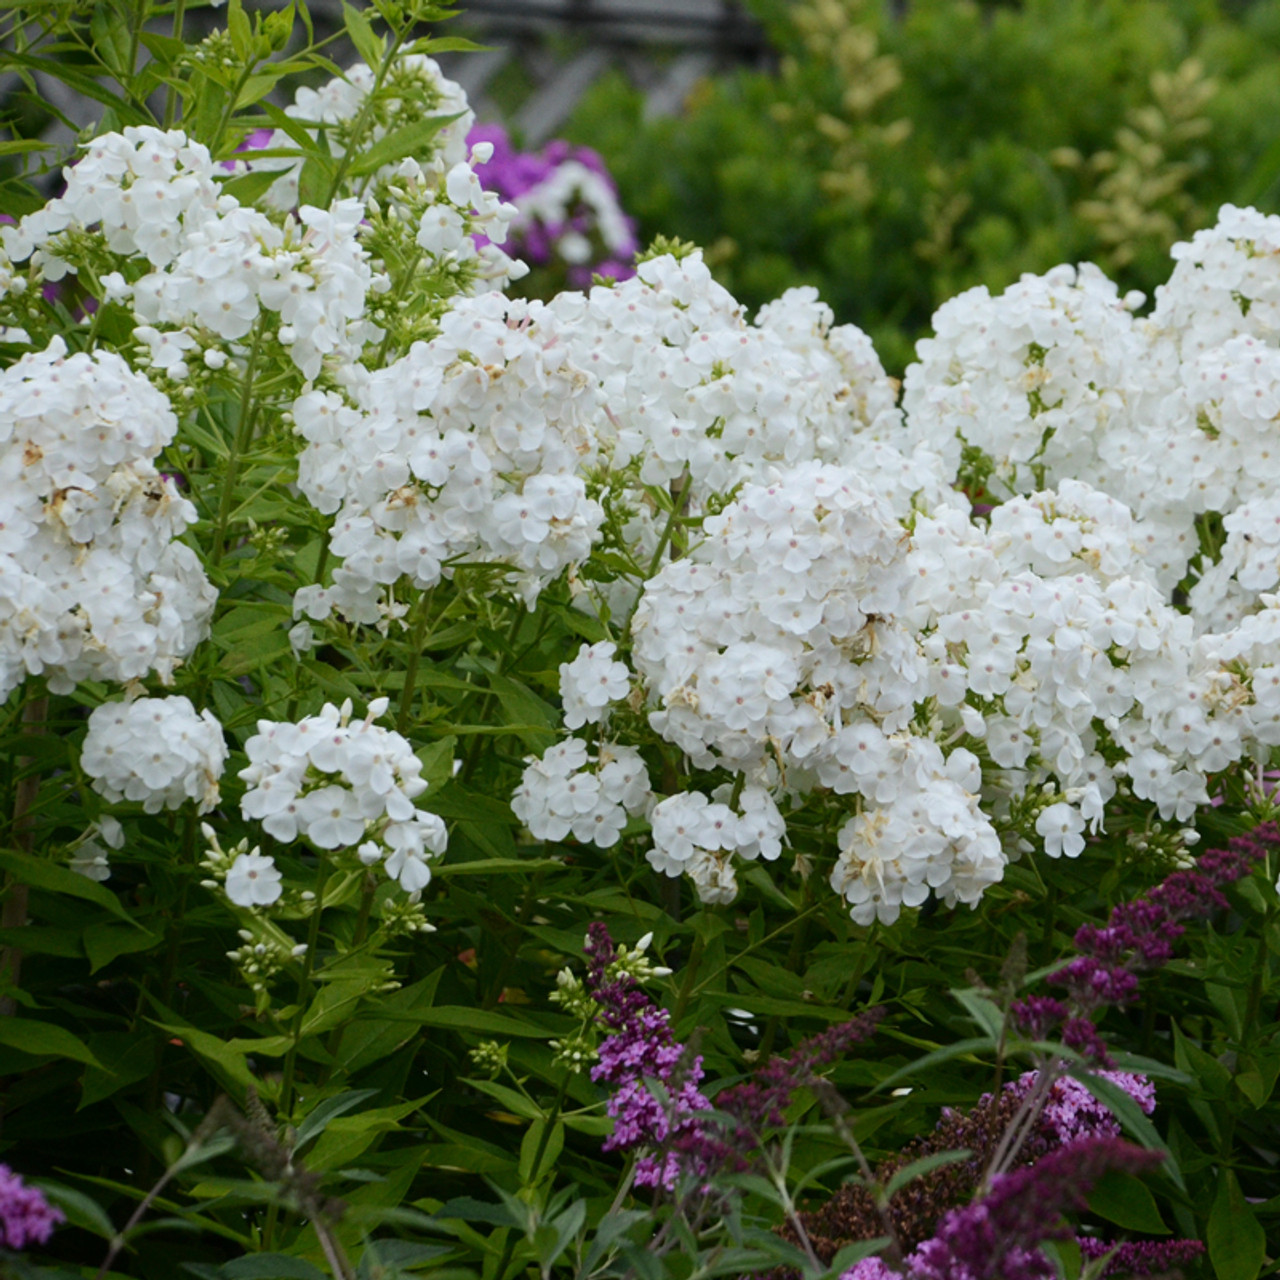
(535, 237)
(26, 1217)
(997, 1237)
(678, 1129)
(638, 1052)
(1138, 936)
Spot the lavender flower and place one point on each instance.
(567, 203)
(997, 1237)
(1138, 936)
(680, 1128)
(1069, 1114)
(1140, 1257)
(639, 1050)
(26, 1217)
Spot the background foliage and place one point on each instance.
(906, 152)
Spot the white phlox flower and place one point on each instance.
(93, 583)
(253, 880)
(590, 683)
(344, 786)
(157, 751)
(570, 790)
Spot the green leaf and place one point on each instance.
(47, 875)
(318, 1118)
(104, 942)
(510, 1098)
(347, 1137)
(1236, 1240)
(132, 1058)
(271, 1266)
(248, 188)
(986, 1013)
(529, 1175)
(1131, 1118)
(45, 1040)
(944, 1054)
(368, 45)
(227, 1063)
(1127, 1201)
(412, 140)
(926, 1164)
(82, 1211)
(462, 1018)
(855, 1252)
(494, 866)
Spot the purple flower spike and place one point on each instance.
(1140, 1257)
(26, 1217)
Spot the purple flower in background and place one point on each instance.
(254, 140)
(1138, 936)
(997, 1237)
(568, 210)
(26, 1217)
(1140, 1257)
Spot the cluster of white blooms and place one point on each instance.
(780, 628)
(93, 584)
(311, 272)
(590, 683)
(692, 390)
(1225, 283)
(1248, 566)
(341, 785)
(1031, 379)
(1174, 415)
(570, 790)
(144, 188)
(439, 196)
(698, 836)
(415, 91)
(928, 835)
(159, 751)
(217, 266)
(468, 448)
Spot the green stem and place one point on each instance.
(244, 437)
(171, 92)
(690, 974)
(417, 638)
(356, 137)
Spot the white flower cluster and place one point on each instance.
(572, 791)
(781, 626)
(697, 836)
(929, 835)
(93, 584)
(159, 751)
(341, 785)
(218, 266)
(590, 683)
(468, 448)
(1175, 415)
(1248, 567)
(144, 188)
(440, 195)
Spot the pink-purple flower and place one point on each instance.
(26, 1217)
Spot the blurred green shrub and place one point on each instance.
(894, 160)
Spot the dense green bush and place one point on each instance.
(893, 162)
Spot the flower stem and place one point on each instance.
(13, 915)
